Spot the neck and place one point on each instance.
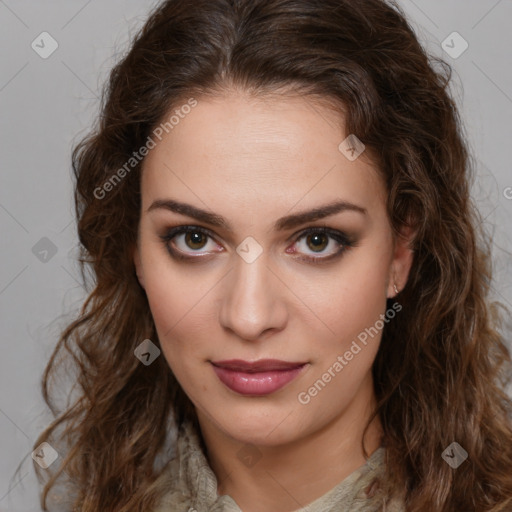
(293, 474)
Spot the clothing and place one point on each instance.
(192, 485)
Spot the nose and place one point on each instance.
(253, 302)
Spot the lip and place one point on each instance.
(256, 378)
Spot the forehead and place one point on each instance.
(258, 153)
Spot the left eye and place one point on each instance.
(318, 240)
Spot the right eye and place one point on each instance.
(180, 240)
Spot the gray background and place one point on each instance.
(47, 105)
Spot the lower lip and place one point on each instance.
(256, 384)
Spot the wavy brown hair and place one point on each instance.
(443, 364)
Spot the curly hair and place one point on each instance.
(443, 364)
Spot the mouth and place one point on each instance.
(257, 378)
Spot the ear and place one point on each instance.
(403, 256)
(138, 266)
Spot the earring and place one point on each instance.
(396, 289)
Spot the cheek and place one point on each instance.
(182, 314)
(174, 294)
(352, 309)
(176, 330)
(354, 298)
(177, 315)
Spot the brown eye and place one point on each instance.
(328, 242)
(195, 239)
(183, 241)
(317, 241)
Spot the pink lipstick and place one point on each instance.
(256, 378)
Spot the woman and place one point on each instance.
(288, 275)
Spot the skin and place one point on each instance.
(254, 161)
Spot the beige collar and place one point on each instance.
(192, 485)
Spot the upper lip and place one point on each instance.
(262, 365)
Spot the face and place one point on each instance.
(255, 279)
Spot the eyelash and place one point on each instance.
(341, 238)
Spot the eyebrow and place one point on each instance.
(282, 224)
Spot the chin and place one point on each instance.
(259, 425)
